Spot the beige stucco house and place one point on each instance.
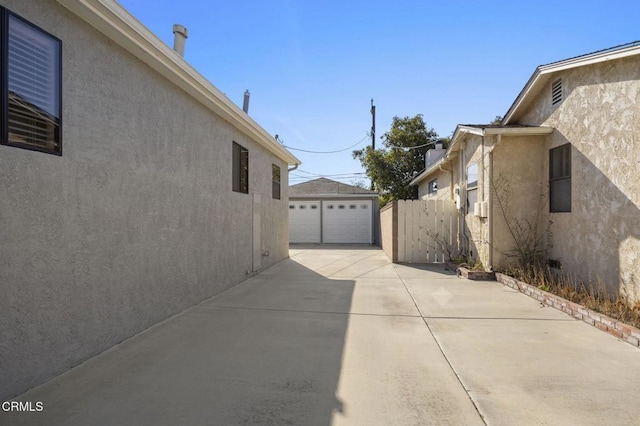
(131, 188)
(565, 158)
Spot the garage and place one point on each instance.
(326, 211)
(304, 222)
(346, 221)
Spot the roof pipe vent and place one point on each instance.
(245, 104)
(179, 37)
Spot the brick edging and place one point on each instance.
(626, 332)
(463, 272)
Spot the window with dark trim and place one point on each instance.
(240, 168)
(31, 86)
(433, 187)
(275, 182)
(560, 179)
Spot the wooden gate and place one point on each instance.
(422, 231)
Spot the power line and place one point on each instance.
(323, 152)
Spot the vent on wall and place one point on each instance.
(556, 92)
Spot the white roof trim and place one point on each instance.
(111, 19)
(540, 74)
(479, 131)
(328, 196)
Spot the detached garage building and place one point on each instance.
(326, 211)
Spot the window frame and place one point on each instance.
(472, 186)
(432, 186)
(565, 154)
(5, 16)
(276, 184)
(239, 168)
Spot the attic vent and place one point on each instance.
(556, 92)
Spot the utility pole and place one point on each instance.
(373, 125)
(373, 132)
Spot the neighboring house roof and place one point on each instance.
(480, 130)
(544, 73)
(323, 187)
(111, 19)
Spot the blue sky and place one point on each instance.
(313, 67)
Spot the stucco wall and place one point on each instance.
(519, 194)
(134, 223)
(600, 116)
(475, 228)
(444, 186)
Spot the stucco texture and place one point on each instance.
(599, 240)
(135, 222)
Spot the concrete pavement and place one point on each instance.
(340, 336)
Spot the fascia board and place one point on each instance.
(541, 73)
(332, 196)
(116, 23)
(519, 131)
(471, 130)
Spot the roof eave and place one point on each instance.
(312, 196)
(115, 22)
(543, 71)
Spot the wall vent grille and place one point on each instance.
(556, 92)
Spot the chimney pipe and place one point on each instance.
(179, 37)
(245, 104)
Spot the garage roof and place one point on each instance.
(325, 187)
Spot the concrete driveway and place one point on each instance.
(340, 336)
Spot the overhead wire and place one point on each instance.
(324, 152)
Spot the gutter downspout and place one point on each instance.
(295, 166)
(463, 200)
(490, 202)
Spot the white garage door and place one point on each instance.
(304, 221)
(346, 221)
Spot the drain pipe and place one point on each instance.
(490, 202)
(295, 166)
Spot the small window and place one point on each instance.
(556, 92)
(240, 168)
(341, 206)
(292, 207)
(364, 206)
(302, 207)
(31, 86)
(352, 207)
(472, 186)
(433, 187)
(275, 182)
(472, 176)
(560, 179)
(314, 207)
(330, 207)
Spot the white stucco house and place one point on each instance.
(565, 157)
(325, 211)
(131, 188)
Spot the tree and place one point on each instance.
(497, 120)
(400, 159)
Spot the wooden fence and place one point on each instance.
(419, 231)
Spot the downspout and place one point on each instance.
(482, 165)
(463, 200)
(295, 166)
(490, 202)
